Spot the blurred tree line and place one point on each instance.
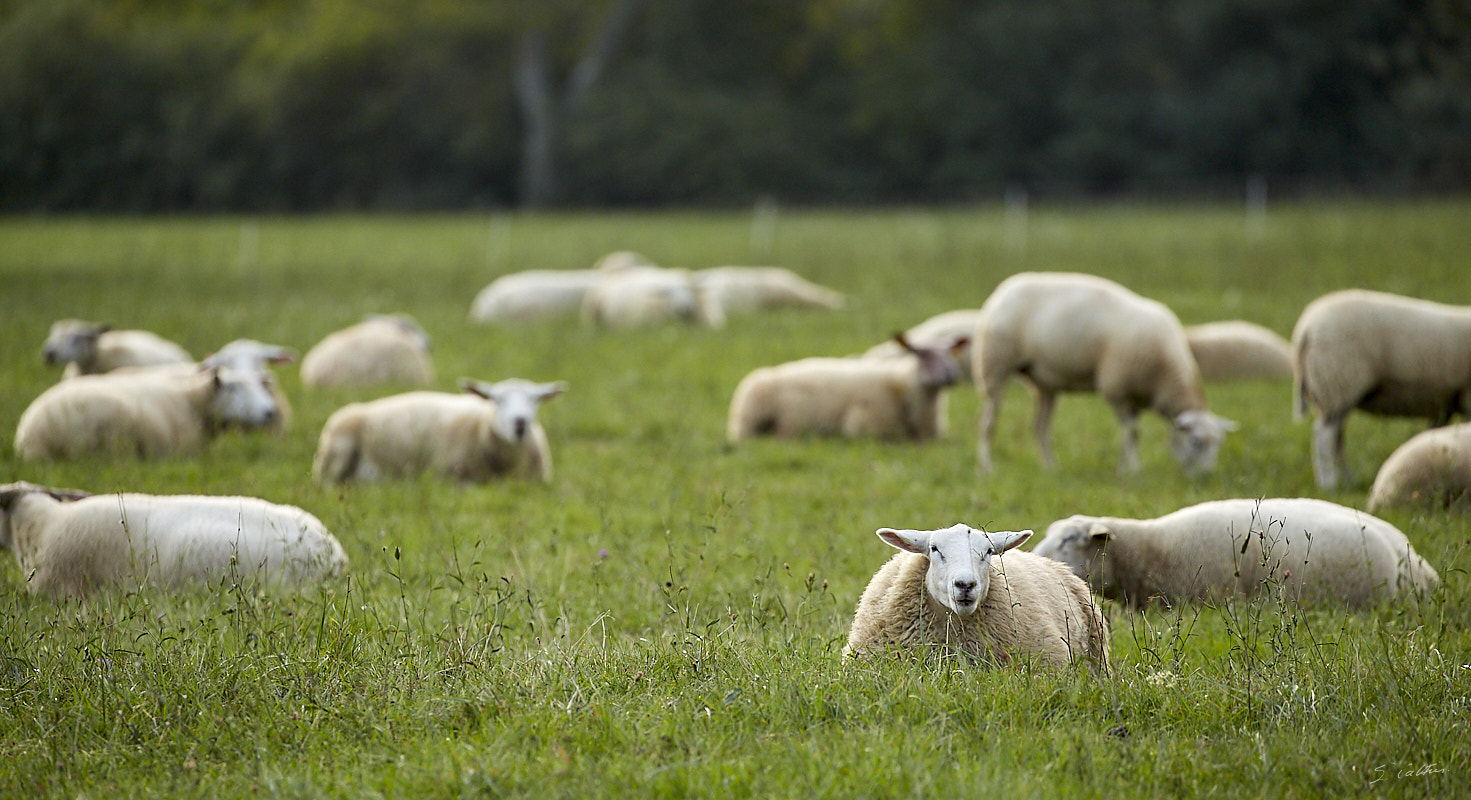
(147, 105)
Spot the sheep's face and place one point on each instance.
(1079, 542)
(243, 397)
(937, 365)
(72, 341)
(959, 574)
(1196, 438)
(516, 402)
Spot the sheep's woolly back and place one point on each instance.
(534, 294)
(836, 397)
(1433, 469)
(383, 350)
(1383, 353)
(1035, 609)
(739, 289)
(1238, 350)
(129, 414)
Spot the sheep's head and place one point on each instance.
(937, 365)
(1195, 439)
(241, 397)
(516, 402)
(959, 575)
(11, 492)
(1079, 543)
(249, 355)
(72, 341)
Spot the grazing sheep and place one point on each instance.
(742, 289)
(1236, 351)
(1311, 551)
(546, 293)
(645, 296)
(89, 348)
(937, 331)
(1066, 332)
(1384, 354)
(70, 543)
(1432, 468)
(489, 432)
(381, 349)
(140, 413)
(954, 587)
(847, 397)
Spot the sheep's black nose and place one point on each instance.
(965, 587)
(520, 429)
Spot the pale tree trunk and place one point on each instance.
(543, 116)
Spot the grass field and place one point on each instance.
(665, 618)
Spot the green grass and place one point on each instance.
(665, 618)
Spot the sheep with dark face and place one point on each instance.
(489, 431)
(848, 397)
(965, 588)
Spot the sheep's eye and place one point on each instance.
(936, 551)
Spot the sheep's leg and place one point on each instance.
(1129, 452)
(1329, 464)
(988, 428)
(1042, 426)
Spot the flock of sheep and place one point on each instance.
(133, 393)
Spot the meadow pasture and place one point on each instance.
(665, 618)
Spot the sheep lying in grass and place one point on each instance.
(1431, 469)
(1066, 332)
(149, 415)
(89, 348)
(1235, 350)
(954, 587)
(245, 357)
(847, 397)
(382, 349)
(489, 432)
(1300, 549)
(1384, 354)
(937, 331)
(743, 289)
(70, 543)
(546, 293)
(644, 296)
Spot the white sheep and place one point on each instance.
(937, 331)
(1382, 353)
(743, 289)
(89, 348)
(954, 587)
(1066, 332)
(546, 293)
(381, 349)
(1432, 468)
(1236, 350)
(141, 413)
(1300, 549)
(488, 432)
(848, 397)
(245, 358)
(644, 296)
(70, 543)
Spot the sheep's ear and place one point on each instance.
(547, 391)
(478, 388)
(1099, 532)
(1225, 424)
(960, 341)
(903, 341)
(102, 327)
(906, 540)
(1001, 541)
(281, 355)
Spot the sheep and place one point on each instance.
(150, 415)
(954, 586)
(381, 349)
(1066, 332)
(1310, 551)
(1432, 468)
(848, 397)
(1236, 350)
(742, 289)
(89, 348)
(1382, 353)
(936, 331)
(546, 293)
(488, 432)
(70, 543)
(645, 296)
